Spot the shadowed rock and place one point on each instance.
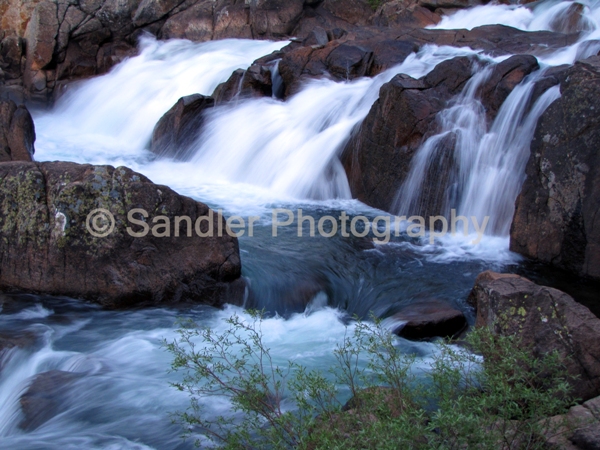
(17, 132)
(556, 218)
(179, 128)
(545, 320)
(47, 246)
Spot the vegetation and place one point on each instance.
(501, 400)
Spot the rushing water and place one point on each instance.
(109, 385)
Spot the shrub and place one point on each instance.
(495, 396)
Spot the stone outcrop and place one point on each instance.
(179, 128)
(378, 157)
(556, 219)
(17, 132)
(47, 246)
(545, 320)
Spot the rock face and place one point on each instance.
(180, 126)
(46, 245)
(556, 218)
(17, 132)
(429, 319)
(545, 320)
(378, 157)
(45, 43)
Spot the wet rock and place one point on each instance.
(504, 78)
(347, 62)
(573, 20)
(377, 159)
(17, 132)
(179, 128)
(556, 218)
(45, 398)
(47, 245)
(545, 320)
(429, 318)
(255, 82)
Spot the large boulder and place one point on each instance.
(557, 216)
(51, 238)
(179, 128)
(545, 320)
(378, 157)
(17, 132)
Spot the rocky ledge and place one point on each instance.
(47, 247)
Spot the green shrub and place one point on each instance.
(495, 396)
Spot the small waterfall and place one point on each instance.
(544, 16)
(474, 171)
(292, 147)
(117, 111)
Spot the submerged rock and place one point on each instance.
(545, 320)
(17, 132)
(45, 398)
(556, 218)
(429, 318)
(177, 130)
(47, 245)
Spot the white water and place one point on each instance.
(544, 16)
(490, 165)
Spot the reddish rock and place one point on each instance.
(17, 132)
(556, 218)
(47, 247)
(179, 128)
(545, 320)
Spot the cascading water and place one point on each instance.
(489, 166)
(109, 373)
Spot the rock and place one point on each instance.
(587, 438)
(275, 18)
(556, 218)
(45, 398)
(377, 158)
(48, 248)
(427, 319)
(17, 132)
(404, 14)
(255, 82)
(179, 128)
(504, 78)
(545, 320)
(572, 20)
(347, 62)
(574, 430)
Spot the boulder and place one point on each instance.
(427, 319)
(556, 218)
(504, 78)
(378, 157)
(52, 238)
(179, 128)
(17, 132)
(545, 320)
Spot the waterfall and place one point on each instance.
(485, 168)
